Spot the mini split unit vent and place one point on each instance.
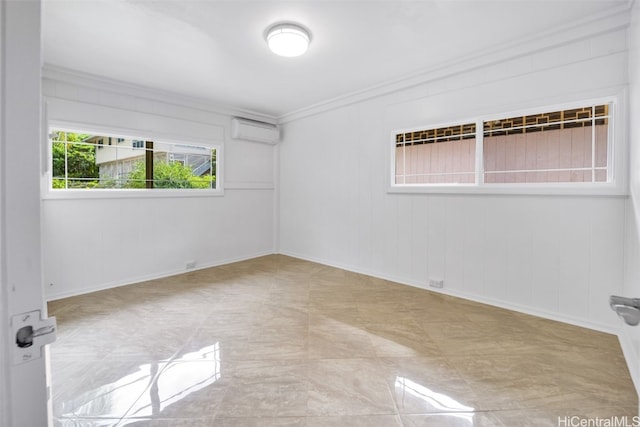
(251, 130)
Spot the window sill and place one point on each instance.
(565, 189)
(129, 194)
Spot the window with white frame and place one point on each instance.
(443, 155)
(81, 161)
(554, 146)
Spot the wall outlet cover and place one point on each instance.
(436, 283)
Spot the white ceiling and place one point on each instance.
(215, 50)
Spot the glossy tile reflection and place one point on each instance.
(159, 385)
(178, 379)
(277, 341)
(439, 402)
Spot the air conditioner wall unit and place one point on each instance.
(252, 130)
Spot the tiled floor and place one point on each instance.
(278, 341)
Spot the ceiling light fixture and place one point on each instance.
(288, 39)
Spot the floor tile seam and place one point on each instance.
(390, 392)
(309, 381)
(349, 415)
(455, 354)
(359, 357)
(437, 324)
(401, 338)
(185, 344)
(471, 384)
(161, 418)
(546, 407)
(169, 419)
(217, 409)
(371, 343)
(75, 420)
(154, 379)
(141, 394)
(504, 354)
(573, 408)
(408, 423)
(327, 327)
(87, 417)
(532, 406)
(549, 411)
(254, 322)
(270, 363)
(428, 413)
(436, 344)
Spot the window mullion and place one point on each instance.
(593, 143)
(66, 162)
(404, 160)
(480, 152)
(148, 164)
(609, 116)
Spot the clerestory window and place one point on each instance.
(570, 146)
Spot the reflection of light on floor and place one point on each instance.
(440, 402)
(164, 382)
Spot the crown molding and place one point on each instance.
(609, 21)
(92, 81)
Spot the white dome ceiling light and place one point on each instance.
(287, 39)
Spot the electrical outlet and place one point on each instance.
(191, 264)
(436, 283)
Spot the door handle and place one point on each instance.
(26, 334)
(631, 302)
(627, 308)
(31, 333)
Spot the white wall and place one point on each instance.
(94, 243)
(560, 257)
(630, 336)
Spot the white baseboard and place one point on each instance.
(471, 297)
(144, 278)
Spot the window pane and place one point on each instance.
(58, 163)
(203, 173)
(182, 166)
(561, 146)
(107, 166)
(436, 156)
(73, 161)
(601, 149)
(88, 161)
